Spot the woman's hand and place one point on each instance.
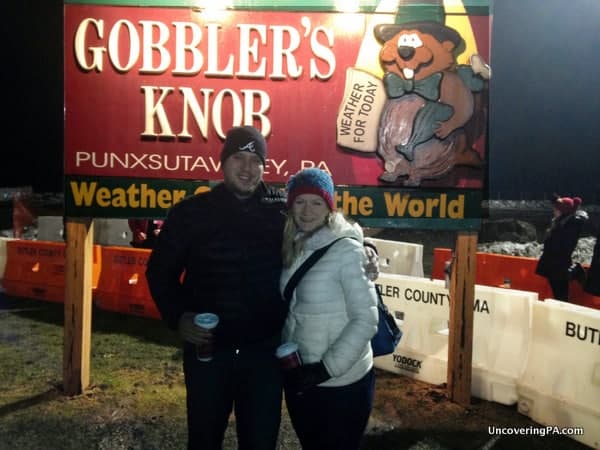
(304, 377)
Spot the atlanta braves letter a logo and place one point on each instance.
(249, 147)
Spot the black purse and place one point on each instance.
(388, 333)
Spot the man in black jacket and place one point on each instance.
(220, 252)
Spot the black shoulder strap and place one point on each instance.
(304, 267)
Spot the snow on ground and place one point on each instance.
(583, 251)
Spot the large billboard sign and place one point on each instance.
(384, 102)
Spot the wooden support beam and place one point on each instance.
(78, 305)
(460, 338)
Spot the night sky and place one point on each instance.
(32, 72)
(544, 98)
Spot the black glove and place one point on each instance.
(304, 377)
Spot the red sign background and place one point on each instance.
(105, 110)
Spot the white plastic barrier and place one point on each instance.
(421, 306)
(560, 386)
(500, 334)
(400, 258)
(50, 228)
(112, 232)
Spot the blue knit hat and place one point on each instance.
(310, 181)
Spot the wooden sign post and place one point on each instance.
(78, 305)
(460, 338)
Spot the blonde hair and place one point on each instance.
(293, 244)
(289, 248)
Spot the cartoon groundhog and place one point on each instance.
(435, 109)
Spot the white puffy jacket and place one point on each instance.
(333, 312)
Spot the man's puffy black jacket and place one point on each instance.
(227, 252)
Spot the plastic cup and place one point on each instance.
(288, 355)
(208, 321)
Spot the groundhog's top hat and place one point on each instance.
(428, 19)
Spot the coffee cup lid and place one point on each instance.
(286, 348)
(206, 320)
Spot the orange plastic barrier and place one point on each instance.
(514, 272)
(122, 286)
(36, 269)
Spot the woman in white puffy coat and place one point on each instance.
(332, 317)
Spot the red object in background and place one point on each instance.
(294, 98)
(22, 216)
(144, 232)
(493, 270)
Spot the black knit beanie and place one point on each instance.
(244, 139)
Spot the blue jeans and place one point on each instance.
(332, 418)
(246, 380)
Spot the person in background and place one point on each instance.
(592, 279)
(144, 232)
(22, 216)
(332, 318)
(227, 242)
(555, 262)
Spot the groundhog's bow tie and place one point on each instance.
(428, 88)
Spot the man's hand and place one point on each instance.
(372, 264)
(192, 333)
